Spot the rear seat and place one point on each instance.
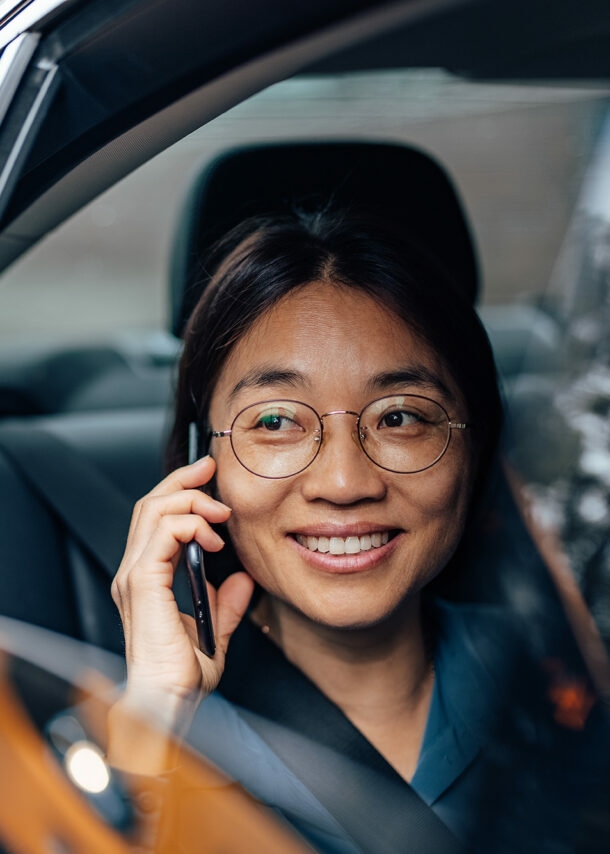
(132, 371)
(47, 577)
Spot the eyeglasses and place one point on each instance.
(403, 433)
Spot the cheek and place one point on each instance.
(440, 501)
(448, 498)
(248, 502)
(255, 504)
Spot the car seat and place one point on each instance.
(67, 486)
(43, 379)
(397, 180)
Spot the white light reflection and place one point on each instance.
(86, 767)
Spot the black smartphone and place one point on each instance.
(195, 568)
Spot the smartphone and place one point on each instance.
(195, 568)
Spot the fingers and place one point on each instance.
(188, 477)
(173, 513)
(154, 509)
(177, 495)
(163, 658)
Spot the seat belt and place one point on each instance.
(375, 806)
(314, 739)
(91, 507)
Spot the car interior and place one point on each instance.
(109, 433)
(83, 423)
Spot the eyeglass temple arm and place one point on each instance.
(459, 425)
(213, 434)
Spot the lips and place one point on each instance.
(350, 545)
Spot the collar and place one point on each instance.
(472, 654)
(472, 646)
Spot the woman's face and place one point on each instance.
(335, 348)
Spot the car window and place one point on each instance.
(518, 155)
(531, 163)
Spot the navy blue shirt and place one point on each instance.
(468, 696)
(496, 766)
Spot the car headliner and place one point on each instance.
(126, 78)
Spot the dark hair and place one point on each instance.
(264, 259)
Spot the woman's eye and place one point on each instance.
(275, 423)
(399, 418)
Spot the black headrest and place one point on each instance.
(402, 182)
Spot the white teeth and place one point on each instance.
(323, 544)
(337, 546)
(344, 545)
(365, 543)
(352, 545)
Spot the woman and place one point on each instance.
(348, 395)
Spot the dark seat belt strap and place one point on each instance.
(379, 811)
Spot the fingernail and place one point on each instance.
(202, 459)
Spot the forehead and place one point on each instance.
(331, 335)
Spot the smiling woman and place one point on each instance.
(327, 592)
(357, 390)
(345, 402)
(347, 405)
(338, 345)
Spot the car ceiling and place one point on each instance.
(121, 63)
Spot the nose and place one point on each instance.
(341, 472)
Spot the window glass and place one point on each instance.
(532, 165)
(518, 154)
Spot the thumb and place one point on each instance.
(232, 598)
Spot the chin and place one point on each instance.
(356, 616)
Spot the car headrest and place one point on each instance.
(404, 183)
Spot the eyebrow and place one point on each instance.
(417, 375)
(263, 377)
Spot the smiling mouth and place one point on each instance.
(344, 545)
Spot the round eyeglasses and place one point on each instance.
(403, 433)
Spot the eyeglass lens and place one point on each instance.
(402, 433)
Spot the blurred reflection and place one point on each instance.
(559, 397)
(87, 768)
(57, 793)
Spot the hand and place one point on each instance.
(166, 672)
